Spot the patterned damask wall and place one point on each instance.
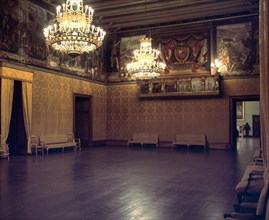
(53, 104)
(240, 87)
(118, 112)
(127, 114)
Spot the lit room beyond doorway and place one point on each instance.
(248, 125)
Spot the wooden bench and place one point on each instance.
(144, 138)
(189, 140)
(54, 141)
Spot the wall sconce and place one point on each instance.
(215, 67)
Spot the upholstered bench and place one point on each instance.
(144, 138)
(54, 141)
(189, 140)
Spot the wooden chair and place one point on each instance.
(35, 146)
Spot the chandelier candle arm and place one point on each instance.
(72, 31)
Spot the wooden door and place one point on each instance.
(256, 125)
(83, 119)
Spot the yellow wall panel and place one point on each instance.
(53, 104)
(118, 112)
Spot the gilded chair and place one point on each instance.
(35, 146)
(71, 138)
(4, 151)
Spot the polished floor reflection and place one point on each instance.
(121, 183)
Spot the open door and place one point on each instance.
(83, 119)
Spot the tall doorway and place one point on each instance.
(244, 110)
(17, 138)
(83, 119)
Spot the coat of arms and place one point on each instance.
(182, 53)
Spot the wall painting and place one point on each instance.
(187, 54)
(237, 49)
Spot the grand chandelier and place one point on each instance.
(73, 32)
(147, 62)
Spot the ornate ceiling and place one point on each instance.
(119, 16)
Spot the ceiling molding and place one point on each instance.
(119, 16)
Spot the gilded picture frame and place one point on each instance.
(240, 110)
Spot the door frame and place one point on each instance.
(253, 116)
(232, 109)
(89, 97)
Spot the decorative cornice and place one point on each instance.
(34, 69)
(240, 76)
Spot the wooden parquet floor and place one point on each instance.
(117, 183)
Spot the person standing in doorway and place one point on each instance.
(247, 129)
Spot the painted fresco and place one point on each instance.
(22, 40)
(237, 49)
(128, 45)
(112, 55)
(187, 54)
(200, 85)
(21, 34)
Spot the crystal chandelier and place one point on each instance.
(73, 31)
(147, 63)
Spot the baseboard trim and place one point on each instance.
(222, 146)
(98, 143)
(116, 142)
